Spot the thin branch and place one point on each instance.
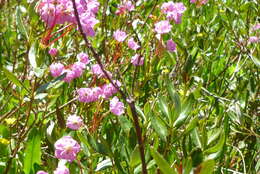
(130, 102)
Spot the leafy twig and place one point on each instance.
(130, 102)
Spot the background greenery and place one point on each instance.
(198, 109)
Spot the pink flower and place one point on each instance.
(88, 95)
(96, 93)
(116, 107)
(56, 69)
(177, 7)
(41, 172)
(85, 95)
(253, 39)
(53, 51)
(54, 12)
(78, 69)
(83, 58)
(74, 122)
(129, 6)
(171, 46)
(173, 10)
(96, 69)
(163, 27)
(256, 27)
(62, 170)
(137, 60)
(109, 89)
(70, 75)
(66, 148)
(119, 35)
(132, 44)
(200, 2)
(126, 6)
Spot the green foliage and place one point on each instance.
(198, 108)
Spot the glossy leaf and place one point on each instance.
(32, 151)
(162, 163)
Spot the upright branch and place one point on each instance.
(130, 101)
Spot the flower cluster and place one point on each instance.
(74, 122)
(72, 71)
(66, 148)
(199, 2)
(116, 107)
(163, 27)
(87, 95)
(132, 44)
(137, 60)
(255, 39)
(119, 35)
(54, 12)
(53, 51)
(171, 46)
(173, 11)
(41, 172)
(96, 70)
(62, 170)
(126, 6)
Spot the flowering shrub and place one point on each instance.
(145, 86)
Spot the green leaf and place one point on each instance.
(159, 127)
(50, 84)
(12, 77)
(103, 165)
(195, 138)
(139, 111)
(255, 60)
(193, 123)
(19, 22)
(164, 107)
(32, 56)
(213, 135)
(101, 148)
(32, 151)
(135, 157)
(218, 146)
(207, 167)
(162, 163)
(184, 113)
(39, 72)
(197, 157)
(125, 124)
(187, 166)
(175, 98)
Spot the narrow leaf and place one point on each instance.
(164, 107)
(218, 146)
(159, 127)
(135, 157)
(49, 84)
(12, 77)
(32, 56)
(207, 167)
(162, 163)
(32, 151)
(103, 165)
(19, 22)
(184, 113)
(175, 98)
